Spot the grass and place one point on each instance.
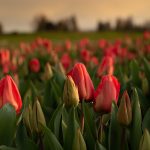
(15, 39)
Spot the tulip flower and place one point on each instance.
(66, 60)
(9, 93)
(85, 55)
(106, 66)
(34, 65)
(107, 91)
(83, 81)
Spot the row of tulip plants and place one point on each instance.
(84, 95)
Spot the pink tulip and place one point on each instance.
(107, 91)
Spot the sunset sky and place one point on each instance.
(18, 14)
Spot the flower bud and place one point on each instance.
(124, 114)
(70, 94)
(145, 141)
(60, 68)
(27, 117)
(34, 65)
(48, 73)
(38, 117)
(145, 85)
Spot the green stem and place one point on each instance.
(123, 138)
(82, 118)
(100, 130)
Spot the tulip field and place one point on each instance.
(75, 94)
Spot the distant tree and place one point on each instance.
(124, 24)
(146, 25)
(1, 28)
(103, 26)
(41, 23)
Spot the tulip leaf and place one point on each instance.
(55, 121)
(70, 131)
(49, 99)
(3, 147)
(99, 146)
(7, 124)
(50, 141)
(134, 70)
(146, 121)
(22, 140)
(114, 130)
(135, 130)
(90, 128)
(147, 68)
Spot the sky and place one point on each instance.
(18, 14)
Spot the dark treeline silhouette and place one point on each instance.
(123, 25)
(1, 28)
(42, 23)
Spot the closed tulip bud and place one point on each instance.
(34, 65)
(27, 117)
(145, 141)
(124, 114)
(145, 85)
(70, 94)
(48, 72)
(38, 117)
(78, 142)
(107, 91)
(9, 93)
(83, 82)
(60, 68)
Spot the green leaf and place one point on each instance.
(70, 131)
(146, 121)
(114, 130)
(134, 71)
(90, 128)
(55, 121)
(135, 130)
(3, 147)
(50, 141)
(7, 124)
(22, 140)
(99, 146)
(147, 68)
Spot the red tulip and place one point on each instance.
(34, 65)
(66, 60)
(85, 55)
(83, 81)
(107, 91)
(106, 66)
(4, 56)
(9, 93)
